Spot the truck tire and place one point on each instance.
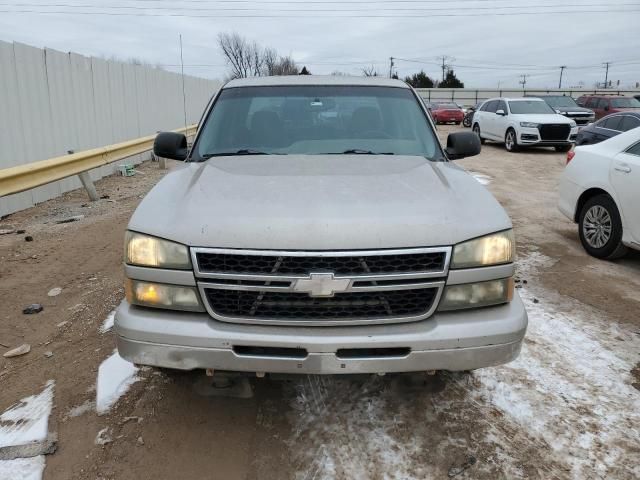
(600, 228)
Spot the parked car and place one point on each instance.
(608, 127)
(524, 122)
(604, 105)
(567, 106)
(447, 113)
(286, 245)
(600, 191)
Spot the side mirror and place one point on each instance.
(500, 112)
(170, 145)
(462, 144)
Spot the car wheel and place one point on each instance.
(563, 148)
(511, 140)
(476, 130)
(600, 228)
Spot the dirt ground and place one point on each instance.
(567, 408)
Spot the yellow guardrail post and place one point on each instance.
(25, 177)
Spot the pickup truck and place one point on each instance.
(318, 226)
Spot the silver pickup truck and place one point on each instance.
(317, 225)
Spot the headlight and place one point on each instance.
(147, 251)
(494, 249)
(158, 295)
(529, 124)
(573, 124)
(475, 295)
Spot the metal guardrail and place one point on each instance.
(24, 177)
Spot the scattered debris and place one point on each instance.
(535, 300)
(115, 376)
(33, 308)
(104, 437)
(54, 292)
(47, 446)
(16, 352)
(28, 238)
(20, 232)
(48, 354)
(131, 419)
(62, 324)
(140, 441)
(74, 218)
(103, 197)
(457, 470)
(7, 230)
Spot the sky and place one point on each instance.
(488, 43)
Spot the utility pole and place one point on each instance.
(523, 82)
(561, 72)
(184, 95)
(606, 75)
(390, 67)
(444, 59)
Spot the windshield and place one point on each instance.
(530, 106)
(447, 106)
(625, 103)
(316, 120)
(563, 101)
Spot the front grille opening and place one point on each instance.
(347, 353)
(298, 306)
(340, 265)
(253, 283)
(276, 352)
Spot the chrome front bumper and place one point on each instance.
(462, 340)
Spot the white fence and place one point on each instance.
(53, 102)
(471, 96)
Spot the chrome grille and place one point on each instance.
(321, 288)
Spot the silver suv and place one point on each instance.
(318, 226)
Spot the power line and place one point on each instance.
(310, 14)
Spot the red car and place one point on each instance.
(604, 105)
(447, 113)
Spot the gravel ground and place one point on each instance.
(569, 407)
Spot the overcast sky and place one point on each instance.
(491, 41)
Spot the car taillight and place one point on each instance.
(570, 156)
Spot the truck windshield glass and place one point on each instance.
(316, 120)
(530, 106)
(561, 101)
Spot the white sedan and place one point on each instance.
(521, 122)
(600, 190)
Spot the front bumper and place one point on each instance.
(462, 340)
(528, 136)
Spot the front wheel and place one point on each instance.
(511, 141)
(467, 121)
(476, 130)
(600, 228)
(563, 148)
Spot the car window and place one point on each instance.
(629, 122)
(561, 102)
(502, 105)
(491, 106)
(591, 102)
(625, 102)
(309, 120)
(612, 122)
(602, 102)
(519, 107)
(634, 149)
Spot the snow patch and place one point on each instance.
(107, 324)
(22, 468)
(28, 420)
(481, 177)
(115, 377)
(78, 410)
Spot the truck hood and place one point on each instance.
(564, 110)
(313, 202)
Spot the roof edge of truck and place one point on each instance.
(317, 80)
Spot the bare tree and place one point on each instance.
(245, 58)
(370, 71)
(285, 66)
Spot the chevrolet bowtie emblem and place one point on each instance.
(322, 285)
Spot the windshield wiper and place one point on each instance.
(360, 151)
(242, 151)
